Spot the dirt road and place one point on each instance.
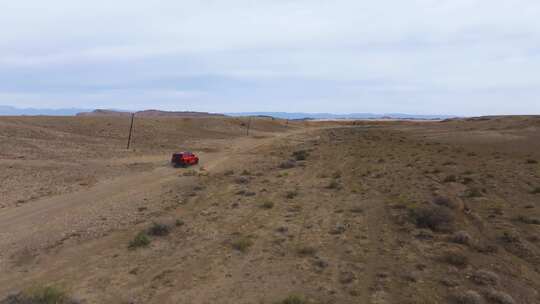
(110, 202)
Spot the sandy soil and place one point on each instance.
(351, 212)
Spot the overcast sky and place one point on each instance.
(461, 57)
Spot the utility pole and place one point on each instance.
(130, 130)
(248, 126)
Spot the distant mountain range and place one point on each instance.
(300, 115)
(148, 113)
(13, 111)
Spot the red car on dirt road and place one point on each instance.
(184, 159)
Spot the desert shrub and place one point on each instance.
(291, 194)
(246, 173)
(356, 210)
(445, 202)
(282, 229)
(242, 244)
(467, 297)
(510, 237)
(338, 229)
(300, 154)
(40, 295)
(140, 240)
(337, 174)
(189, 173)
(293, 299)
(485, 277)
(473, 192)
(307, 251)
(499, 297)
(461, 237)
(320, 263)
(267, 205)
(531, 161)
(467, 180)
(527, 220)
(179, 223)
(436, 218)
(486, 248)
(249, 193)
(346, 277)
(288, 164)
(536, 190)
(159, 229)
(241, 180)
(228, 173)
(450, 179)
(455, 258)
(333, 185)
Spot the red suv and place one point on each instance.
(184, 159)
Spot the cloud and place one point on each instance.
(424, 56)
